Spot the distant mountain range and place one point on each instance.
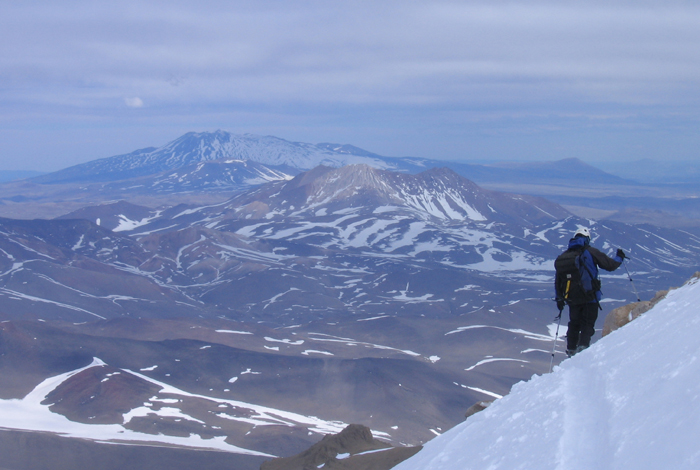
(292, 157)
(282, 157)
(212, 165)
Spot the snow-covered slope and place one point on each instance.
(631, 401)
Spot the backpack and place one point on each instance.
(574, 282)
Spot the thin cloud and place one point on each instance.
(134, 102)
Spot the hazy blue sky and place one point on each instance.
(470, 80)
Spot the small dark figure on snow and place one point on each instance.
(577, 285)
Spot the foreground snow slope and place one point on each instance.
(631, 401)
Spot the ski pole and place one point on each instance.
(556, 337)
(624, 262)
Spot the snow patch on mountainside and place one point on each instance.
(126, 224)
(632, 400)
(30, 414)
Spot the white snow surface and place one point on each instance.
(630, 401)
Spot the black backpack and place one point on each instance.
(574, 282)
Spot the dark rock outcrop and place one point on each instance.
(477, 407)
(620, 316)
(625, 314)
(354, 448)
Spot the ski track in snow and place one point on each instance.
(584, 442)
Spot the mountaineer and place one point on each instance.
(577, 285)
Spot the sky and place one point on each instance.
(466, 80)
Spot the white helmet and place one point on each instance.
(582, 231)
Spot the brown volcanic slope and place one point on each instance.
(100, 395)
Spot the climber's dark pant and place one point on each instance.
(581, 325)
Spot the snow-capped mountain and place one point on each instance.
(629, 401)
(434, 194)
(439, 197)
(195, 148)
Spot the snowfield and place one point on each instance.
(631, 401)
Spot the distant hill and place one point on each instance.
(655, 171)
(569, 169)
(7, 175)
